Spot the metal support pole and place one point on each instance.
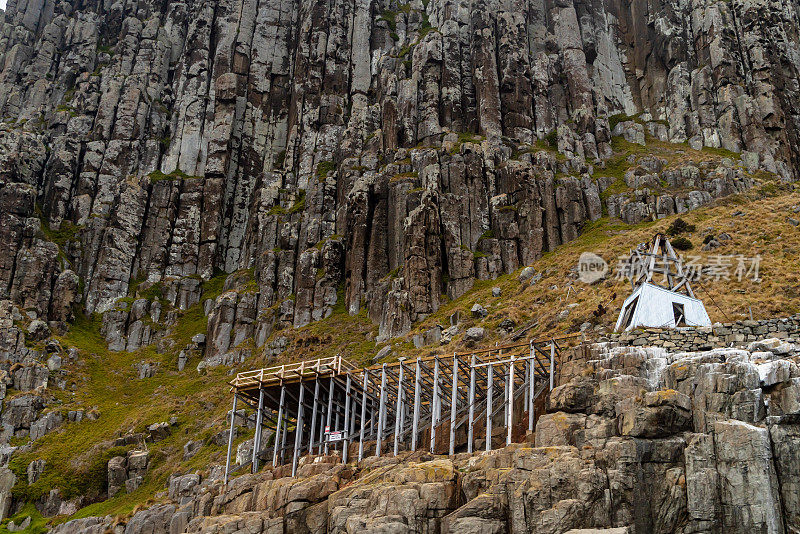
(298, 432)
(434, 403)
(353, 416)
(336, 426)
(398, 410)
(525, 374)
(363, 417)
(489, 393)
(321, 433)
(278, 427)
(471, 435)
(230, 441)
(505, 396)
(510, 423)
(257, 437)
(283, 436)
(381, 409)
(531, 388)
(403, 415)
(313, 418)
(328, 415)
(552, 364)
(372, 412)
(453, 406)
(347, 426)
(415, 420)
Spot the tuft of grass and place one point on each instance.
(681, 243)
(68, 109)
(551, 139)
(617, 118)
(721, 152)
(177, 174)
(406, 50)
(465, 137)
(299, 203)
(108, 49)
(280, 159)
(679, 226)
(324, 168)
(390, 17)
(66, 233)
(38, 523)
(404, 176)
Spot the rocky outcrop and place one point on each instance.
(126, 473)
(636, 440)
(697, 186)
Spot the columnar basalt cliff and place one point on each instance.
(380, 153)
(188, 184)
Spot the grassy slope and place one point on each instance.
(763, 229)
(105, 381)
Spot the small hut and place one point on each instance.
(662, 295)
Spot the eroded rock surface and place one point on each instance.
(637, 442)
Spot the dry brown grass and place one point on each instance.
(763, 230)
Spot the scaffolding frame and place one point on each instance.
(439, 401)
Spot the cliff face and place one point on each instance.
(376, 153)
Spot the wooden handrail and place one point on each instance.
(337, 365)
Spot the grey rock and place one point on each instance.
(38, 330)
(183, 358)
(7, 481)
(478, 311)
(526, 274)
(774, 345)
(181, 487)
(432, 336)
(381, 354)
(45, 424)
(145, 369)
(54, 362)
(35, 470)
(158, 431)
(448, 334)
(191, 448)
(506, 325)
(24, 524)
(475, 333)
(117, 474)
(631, 131)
